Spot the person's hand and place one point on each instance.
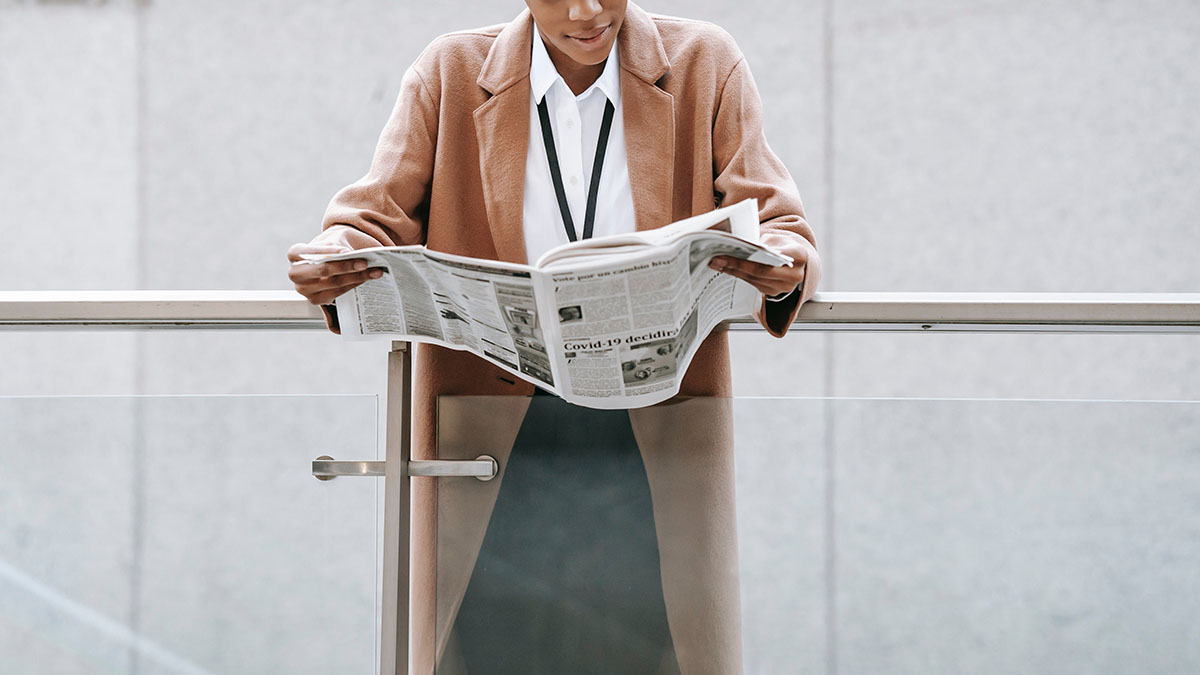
(322, 282)
(770, 281)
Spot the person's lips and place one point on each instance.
(590, 36)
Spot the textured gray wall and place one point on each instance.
(999, 146)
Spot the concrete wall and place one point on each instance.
(1001, 146)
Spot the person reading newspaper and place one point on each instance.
(607, 542)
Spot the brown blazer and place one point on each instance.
(449, 171)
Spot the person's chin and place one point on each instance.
(590, 57)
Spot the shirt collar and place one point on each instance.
(543, 74)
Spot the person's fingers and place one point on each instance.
(304, 273)
(334, 268)
(728, 264)
(767, 279)
(295, 251)
(329, 295)
(307, 271)
(317, 290)
(758, 270)
(767, 286)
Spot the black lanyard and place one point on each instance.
(589, 217)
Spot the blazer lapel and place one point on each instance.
(649, 116)
(502, 130)
(502, 127)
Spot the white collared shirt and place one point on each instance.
(575, 121)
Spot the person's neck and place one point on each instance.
(578, 76)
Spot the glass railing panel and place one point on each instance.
(186, 535)
(1016, 536)
(782, 519)
(836, 535)
(586, 554)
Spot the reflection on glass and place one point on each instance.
(185, 535)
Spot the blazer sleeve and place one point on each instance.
(389, 206)
(745, 166)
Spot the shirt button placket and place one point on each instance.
(573, 159)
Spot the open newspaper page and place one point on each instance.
(631, 326)
(739, 220)
(602, 325)
(485, 307)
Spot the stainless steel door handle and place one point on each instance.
(483, 467)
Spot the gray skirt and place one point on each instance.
(568, 577)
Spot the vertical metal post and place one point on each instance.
(397, 515)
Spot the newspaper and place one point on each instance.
(610, 322)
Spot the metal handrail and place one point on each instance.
(66, 310)
(830, 311)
